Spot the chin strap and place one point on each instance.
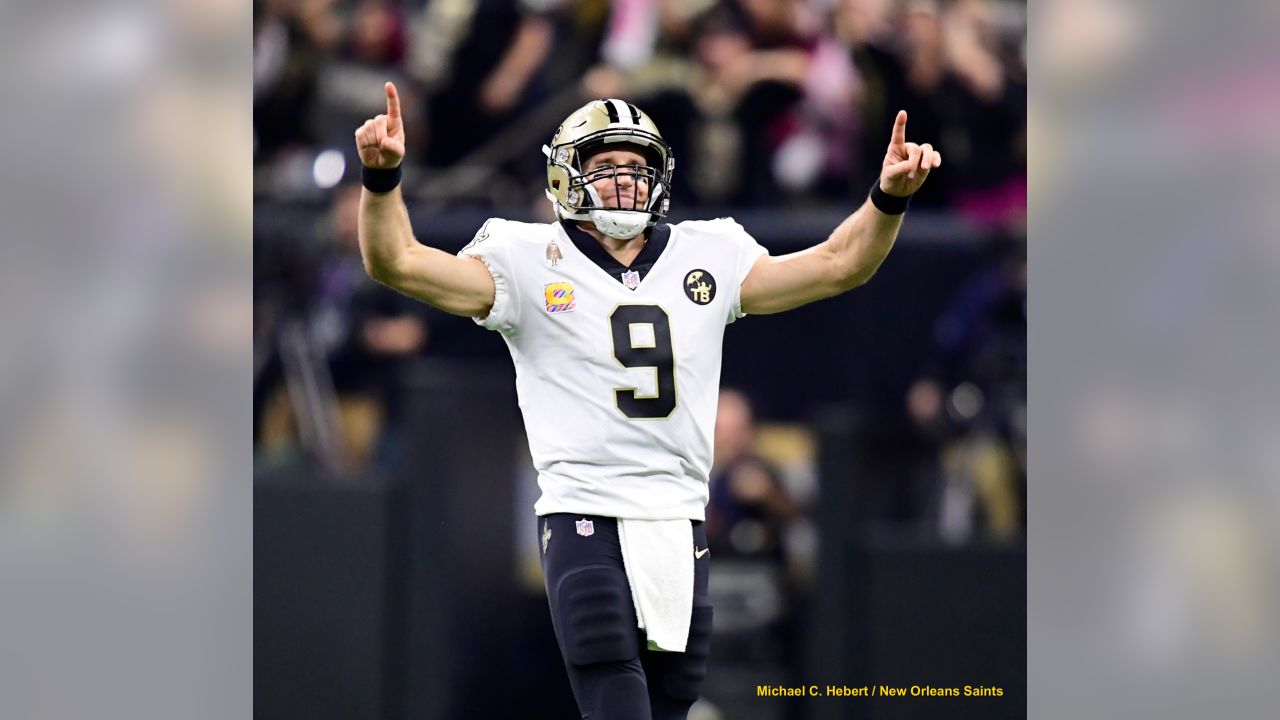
(620, 224)
(617, 224)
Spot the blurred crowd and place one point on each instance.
(764, 101)
(967, 410)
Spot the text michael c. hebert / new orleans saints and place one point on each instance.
(871, 691)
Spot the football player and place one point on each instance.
(615, 322)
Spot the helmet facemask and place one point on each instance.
(576, 195)
(622, 217)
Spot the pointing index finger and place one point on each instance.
(899, 136)
(393, 102)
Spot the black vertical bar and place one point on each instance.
(830, 621)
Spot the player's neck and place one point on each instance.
(624, 251)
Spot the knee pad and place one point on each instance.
(683, 673)
(620, 696)
(597, 617)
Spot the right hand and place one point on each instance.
(380, 141)
(906, 164)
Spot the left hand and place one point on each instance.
(906, 164)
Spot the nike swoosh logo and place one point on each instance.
(699, 553)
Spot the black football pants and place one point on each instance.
(613, 674)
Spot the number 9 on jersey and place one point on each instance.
(633, 347)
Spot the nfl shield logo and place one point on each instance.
(631, 279)
(586, 528)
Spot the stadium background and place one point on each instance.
(872, 533)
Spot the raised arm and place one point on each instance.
(854, 250)
(457, 285)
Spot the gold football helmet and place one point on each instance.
(590, 129)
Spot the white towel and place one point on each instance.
(658, 555)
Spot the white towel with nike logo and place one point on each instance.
(658, 555)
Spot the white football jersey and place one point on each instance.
(617, 369)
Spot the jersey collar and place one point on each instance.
(649, 254)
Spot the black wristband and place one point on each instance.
(886, 203)
(380, 180)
